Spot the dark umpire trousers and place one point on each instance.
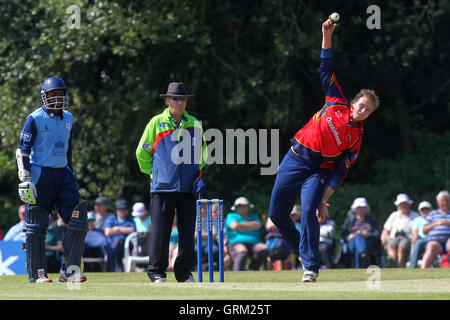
(163, 207)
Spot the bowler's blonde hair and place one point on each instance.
(369, 94)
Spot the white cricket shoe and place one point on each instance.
(309, 276)
(159, 279)
(44, 280)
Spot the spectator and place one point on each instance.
(94, 245)
(53, 247)
(61, 225)
(141, 218)
(296, 215)
(327, 242)
(437, 230)
(117, 228)
(396, 235)
(361, 232)
(215, 210)
(418, 238)
(91, 220)
(101, 213)
(15, 233)
(243, 231)
(278, 248)
(143, 224)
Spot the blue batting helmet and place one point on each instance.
(55, 102)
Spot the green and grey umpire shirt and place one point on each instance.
(172, 153)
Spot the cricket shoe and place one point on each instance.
(156, 278)
(73, 278)
(190, 279)
(310, 276)
(43, 280)
(159, 279)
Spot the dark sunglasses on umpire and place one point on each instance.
(179, 98)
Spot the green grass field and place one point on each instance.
(344, 284)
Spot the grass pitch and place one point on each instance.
(346, 284)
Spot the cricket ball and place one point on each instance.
(335, 17)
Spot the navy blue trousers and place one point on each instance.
(57, 187)
(296, 176)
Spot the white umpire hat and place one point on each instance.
(241, 201)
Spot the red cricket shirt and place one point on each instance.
(330, 139)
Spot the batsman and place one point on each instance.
(44, 160)
(319, 158)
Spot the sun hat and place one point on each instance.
(176, 89)
(424, 204)
(359, 202)
(241, 201)
(139, 210)
(402, 197)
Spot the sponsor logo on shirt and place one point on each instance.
(334, 131)
(26, 136)
(147, 147)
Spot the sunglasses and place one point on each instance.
(179, 98)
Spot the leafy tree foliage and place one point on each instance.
(250, 64)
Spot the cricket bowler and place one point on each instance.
(319, 158)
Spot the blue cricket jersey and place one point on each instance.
(46, 139)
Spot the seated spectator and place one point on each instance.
(327, 243)
(361, 232)
(141, 218)
(215, 224)
(396, 235)
(15, 233)
(53, 247)
(437, 230)
(117, 228)
(243, 232)
(296, 216)
(277, 247)
(143, 224)
(94, 245)
(101, 213)
(418, 238)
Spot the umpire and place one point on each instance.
(172, 150)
